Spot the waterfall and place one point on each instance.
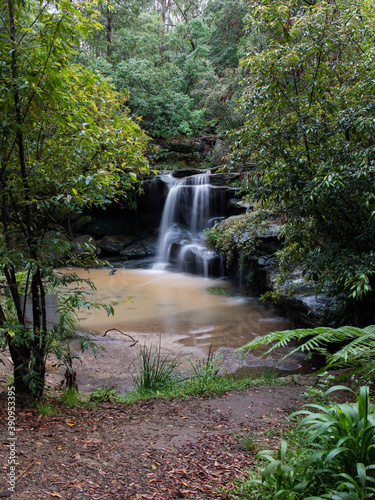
(192, 205)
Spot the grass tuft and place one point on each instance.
(45, 409)
(69, 397)
(157, 371)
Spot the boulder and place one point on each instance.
(150, 244)
(223, 179)
(238, 207)
(115, 243)
(133, 252)
(187, 172)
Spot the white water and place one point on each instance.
(191, 206)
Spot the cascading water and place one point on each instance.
(191, 206)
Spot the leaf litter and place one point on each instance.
(156, 449)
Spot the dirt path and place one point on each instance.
(152, 450)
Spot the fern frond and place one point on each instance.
(358, 351)
(317, 338)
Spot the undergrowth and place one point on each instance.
(330, 454)
(201, 386)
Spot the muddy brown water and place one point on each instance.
(171, 311)
(177, 312)
(149, 301)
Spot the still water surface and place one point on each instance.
(153, 301)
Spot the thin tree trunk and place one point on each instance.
(20, 351)
(163, 17)
(109, 34)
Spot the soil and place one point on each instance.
(148, 450)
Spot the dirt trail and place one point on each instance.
(154, 450)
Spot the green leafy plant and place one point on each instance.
(204, 375)
(333, 456)
(343, 434)
(318, 392)
(281, 476)
(69, 397)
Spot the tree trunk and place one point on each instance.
(109, 34)
(27, 352)
(163, 17)
(38, 366)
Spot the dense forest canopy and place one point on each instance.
(178, 61)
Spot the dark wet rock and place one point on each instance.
(269, 240)
(115, 243)
(150, 244)
(296, 297)
(223, 179)
(238, 207)
(186, 172)
(300, 301)
(133, 252)
(110, 225)
(198, 260)
(176, 246)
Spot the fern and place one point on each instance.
(358, 350)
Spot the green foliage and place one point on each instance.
(177, 63)
(66, 142)
(249, 441)
(103, 394)
(309, 126)
(156, 97)
(69, 397)
(45, 409)
(333, 457)
(226, 21)
(356, 346)
(239, 235)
